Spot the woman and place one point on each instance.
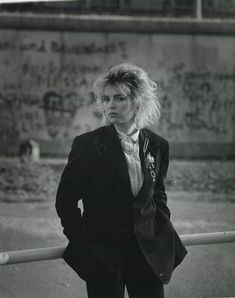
(124, 238)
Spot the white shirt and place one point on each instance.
(130, 145)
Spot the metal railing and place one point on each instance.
(51, 253)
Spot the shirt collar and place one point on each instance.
(134, 137)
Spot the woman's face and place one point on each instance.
(118, 108)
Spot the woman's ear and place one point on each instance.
(136, 106)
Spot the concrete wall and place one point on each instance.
(46, 93)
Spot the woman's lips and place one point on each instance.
(113, 114)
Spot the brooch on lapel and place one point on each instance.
(149, 163)
(149, 160)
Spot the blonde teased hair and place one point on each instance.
(133, 81)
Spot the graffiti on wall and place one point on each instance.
(26, 114)
(197, 101)
(57, 76)
(46, 89)
(60, 110)
(57, 46)
(49, 95)
(18, 114)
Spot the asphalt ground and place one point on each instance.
(207, 271)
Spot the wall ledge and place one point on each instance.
(112, 24)
(180, 150)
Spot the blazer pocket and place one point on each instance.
(84, 258)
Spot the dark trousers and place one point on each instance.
(135, 274)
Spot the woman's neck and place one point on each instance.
(126, 128)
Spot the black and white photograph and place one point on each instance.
(117, 149)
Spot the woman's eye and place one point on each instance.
(105, 99)
(120, 98)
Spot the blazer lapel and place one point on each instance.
(150, 158)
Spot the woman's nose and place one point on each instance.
(112, 103)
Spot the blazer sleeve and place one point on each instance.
(71, 189)
(160, 196)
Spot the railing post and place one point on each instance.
(199, 10)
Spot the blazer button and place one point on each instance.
(139, 212)
(163, 277)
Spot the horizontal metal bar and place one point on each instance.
(208, 238)
(31, 255)
(50, 253)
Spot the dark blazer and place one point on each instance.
(97, 173)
